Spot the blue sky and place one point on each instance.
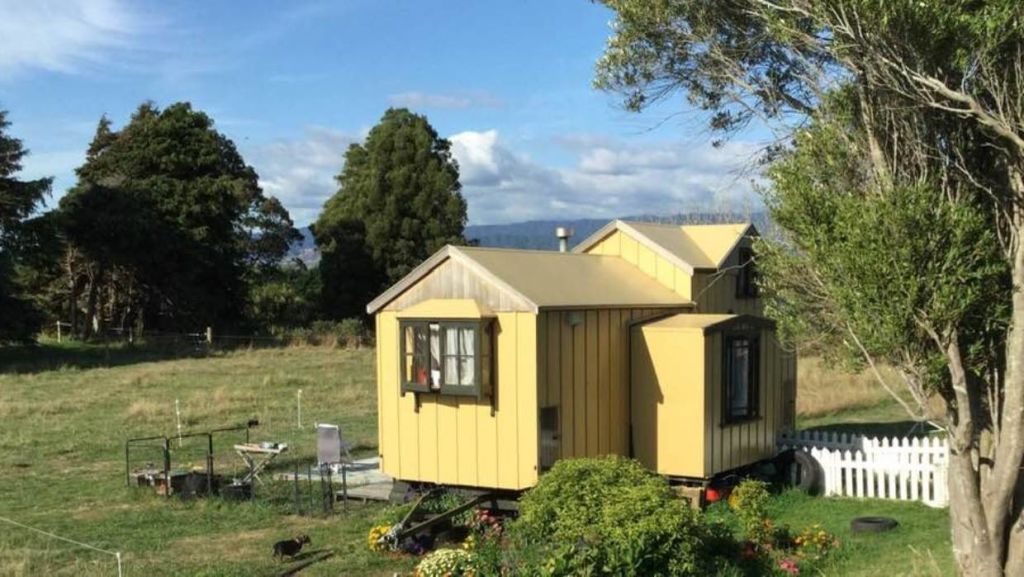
(293, 83)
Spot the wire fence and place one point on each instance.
(115, 554)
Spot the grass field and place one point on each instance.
(66, 410)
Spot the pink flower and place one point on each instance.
(789, 566)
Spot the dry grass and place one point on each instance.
(823, 390)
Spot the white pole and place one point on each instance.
(58, 331)
(298, 408)
(177, 414)
(119, 572)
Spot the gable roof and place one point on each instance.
(690, 247)
(547, 279)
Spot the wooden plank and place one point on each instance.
(592, 391)
(466, 443)
(528, 418)
(618, 419)
(447, 412)
(565, 385)
(603, 382)
(508, 394)
(579, 388)
(427, 442)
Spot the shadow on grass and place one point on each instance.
(49, 356)
(884, 429)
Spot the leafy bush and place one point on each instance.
(447, 563)
(347, 333)
(608, 516)
(749, 500)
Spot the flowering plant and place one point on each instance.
(447, 563)
(814, 543)
(376, 541)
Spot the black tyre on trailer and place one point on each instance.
(801, 470)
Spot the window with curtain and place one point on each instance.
(450, 357)
(741, 372)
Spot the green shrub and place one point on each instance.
(608, 516)
(749, 500)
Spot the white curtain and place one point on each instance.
(451, 362)
(435, 354)
(467, 355)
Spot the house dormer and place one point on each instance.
(710, 264)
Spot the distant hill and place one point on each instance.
(540, 234)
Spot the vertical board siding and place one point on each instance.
(735, 445)
(587, 368)
(457, 440)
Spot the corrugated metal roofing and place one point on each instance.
(701, 321)
(701, 246)
(556, 279)
(549, 279)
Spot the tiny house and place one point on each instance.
(492, 364)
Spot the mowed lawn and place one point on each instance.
(65, 412)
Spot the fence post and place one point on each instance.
(58, 332)
(209, 335)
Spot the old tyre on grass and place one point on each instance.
(873, 524)
(801, 470)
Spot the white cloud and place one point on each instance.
(65, 36)
(300, 172)
(417, 100)
(608, 179)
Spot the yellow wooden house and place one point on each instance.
(646, 340)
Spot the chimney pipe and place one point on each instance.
(563, 233)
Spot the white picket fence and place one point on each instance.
(901, 468)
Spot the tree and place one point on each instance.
(167, 223)
(398, 202)
(898, 185)
(19, 319)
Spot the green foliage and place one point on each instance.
(609, 516)
(898, 267)
(170, 221)
(399, 201)
(287, 297)
(749, 500)
(20, 319)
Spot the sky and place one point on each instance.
(293, 83)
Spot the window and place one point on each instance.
(746, 280)
(450, 357)
(741, 374)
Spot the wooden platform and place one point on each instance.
(363, 478)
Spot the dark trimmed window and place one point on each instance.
(447, 357)
(740, 394)
(746, 279)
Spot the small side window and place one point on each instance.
(740, 386)
(746, 279)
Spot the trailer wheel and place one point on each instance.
(872, 524)
(801, 470)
